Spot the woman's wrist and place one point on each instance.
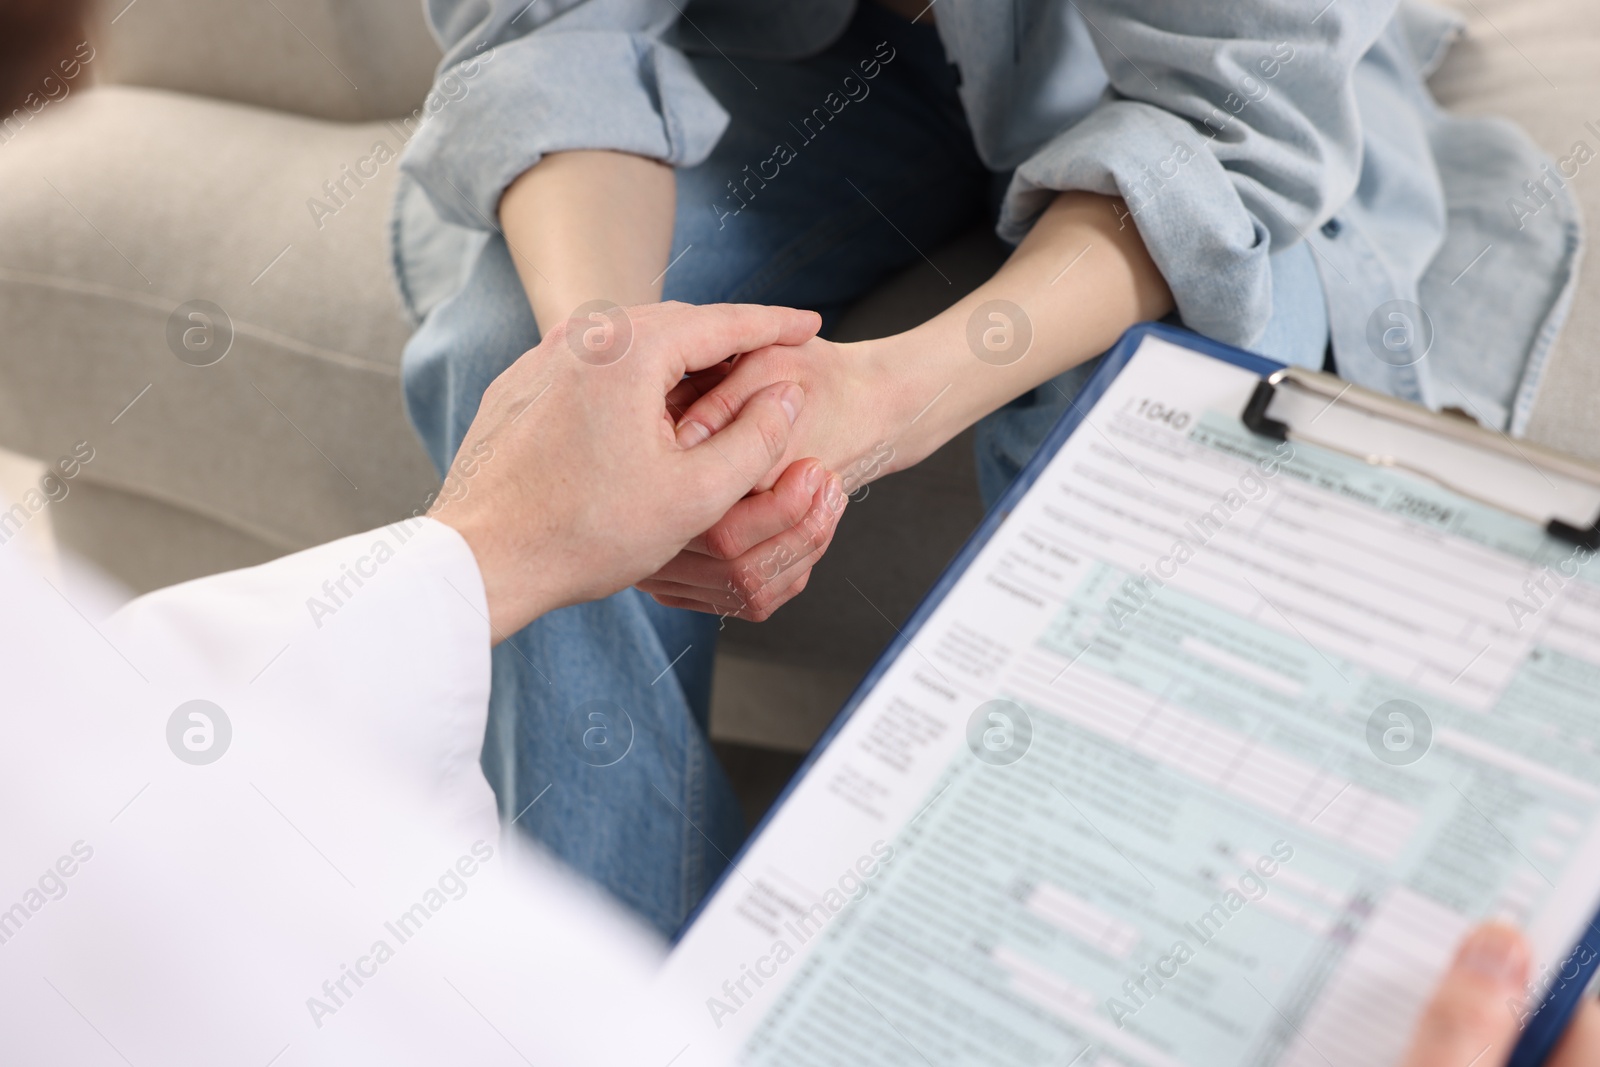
(1065, 295)
(902, 390)
(931, 388)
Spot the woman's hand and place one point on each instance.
(853, 405)
(1079, 279)
(759, 556)
(1472, 1018)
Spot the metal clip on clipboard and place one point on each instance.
(1555, 491)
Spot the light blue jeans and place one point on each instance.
(635, 799)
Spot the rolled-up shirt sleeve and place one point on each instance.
(520, 80)
(1230, 127)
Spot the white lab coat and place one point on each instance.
(155, 911)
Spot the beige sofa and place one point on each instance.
(185, 175)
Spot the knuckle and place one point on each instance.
(747, 585)
(718, 407)
(796, 504)
(722, 543)
(818, 534)
(556, 335)
(774, 431)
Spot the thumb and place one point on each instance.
(729, 463)
(1474, 1014)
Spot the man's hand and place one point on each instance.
(592, 225)
(1470, 1019)
(571, 484)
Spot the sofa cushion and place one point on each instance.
(124, 204)
(354, 60)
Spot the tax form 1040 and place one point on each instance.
(1207, 750)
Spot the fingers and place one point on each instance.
(731, 606)
(1469, 1019)
(692, 388)
(755, 583)
(718, 405)
(724, 467)
(764, 515)
(700, 336)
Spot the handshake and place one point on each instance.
(669, 463)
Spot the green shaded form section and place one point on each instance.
(1029, 895)
(1547, 714)
(1198, 834)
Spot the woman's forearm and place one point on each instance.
(589, 225)
(1080, 278)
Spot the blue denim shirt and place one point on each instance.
(1446, 246)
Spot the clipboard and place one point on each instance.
(1383, 431)
(1290, 404)
(1564, 505)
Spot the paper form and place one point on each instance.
(1136, 792)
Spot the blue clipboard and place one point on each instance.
(1549, 1021)
(1544, 1026)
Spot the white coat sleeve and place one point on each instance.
(245, 823)
(373, 649)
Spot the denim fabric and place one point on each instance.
(1234, 129)
(658, 825)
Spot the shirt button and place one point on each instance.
(1331, 228)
